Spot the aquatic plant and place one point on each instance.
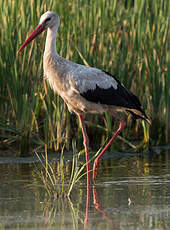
(51, 175)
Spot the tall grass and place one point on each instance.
(128, 40)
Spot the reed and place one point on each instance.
(129, 40)
(51, 176)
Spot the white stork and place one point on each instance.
(84, 89)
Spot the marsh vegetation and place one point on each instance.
(129, 40)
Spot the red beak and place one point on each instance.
(39, 29)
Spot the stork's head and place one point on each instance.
(47, 20)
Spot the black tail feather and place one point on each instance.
(139, 116)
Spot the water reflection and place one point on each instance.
(110, 221)
(131, 192)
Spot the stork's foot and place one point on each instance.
(95, 166)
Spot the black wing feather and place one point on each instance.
(118, 97)
(134, 98)
(111, 96)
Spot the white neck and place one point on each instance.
(50, 45)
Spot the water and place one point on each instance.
(131, 192)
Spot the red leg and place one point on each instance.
(121, 126)
(86, 145)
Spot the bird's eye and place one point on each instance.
(47, 19)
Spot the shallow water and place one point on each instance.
(131, 192)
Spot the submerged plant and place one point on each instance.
(52, 176)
